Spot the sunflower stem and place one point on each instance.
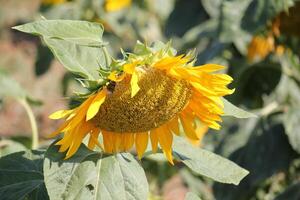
(33, 124)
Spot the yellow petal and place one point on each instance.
(134, 84)
(208, 68)
(115, 77)
(173, 125)
(80, 114)
(60, 114)
(95, 105)
(165, 139)
(154, 140)
(59, 130)
(129, 68)
(187, 122)
(128, 141)
(81, 132)
(107, 141)
(93, 140)
(117, 141)
(141, 142)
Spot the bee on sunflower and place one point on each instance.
(147, 97)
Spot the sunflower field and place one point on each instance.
(149, 100)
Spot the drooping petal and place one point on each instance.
(154, 140)
(129, 68)
(117, 141)
(187, 122)
(93, 140)
(165, 139)
(60, 114)
(114, 76)
(127, 141)
(95, 105)
(174, 125)
(134, 84)
(80, 114)
(141, 142)
(107, 141)
(81, 132)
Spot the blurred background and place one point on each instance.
(258, 41)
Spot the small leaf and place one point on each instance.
(232, 110)
(21, 176)
(207, 163)
(91, 175)
(191, 196)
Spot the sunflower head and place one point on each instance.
(115, 5)
(52, 2)
(150, 95)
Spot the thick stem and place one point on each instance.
(35, 135)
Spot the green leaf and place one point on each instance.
(77, 32)
(191, 196)
(82, 60)
(292, 126)
(21, 176)
(207, 163)
(91, 175)
(9, 146)
(232, 110)
(77, 45)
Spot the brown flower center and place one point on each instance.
(159, 99)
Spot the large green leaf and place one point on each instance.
(77, 45)
(91, 175)
(292, 127)
(232, 110)
(207, 163)
(78, 32)
(21, 176)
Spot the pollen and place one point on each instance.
(159, 99)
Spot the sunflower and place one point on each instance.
(114, 5)
(260, 47)
(52, 2)
(146, 98)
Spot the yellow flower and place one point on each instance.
(147, 100)
(49, 2)
(260, 47)
(114, 5)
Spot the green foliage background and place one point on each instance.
(220, 30)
